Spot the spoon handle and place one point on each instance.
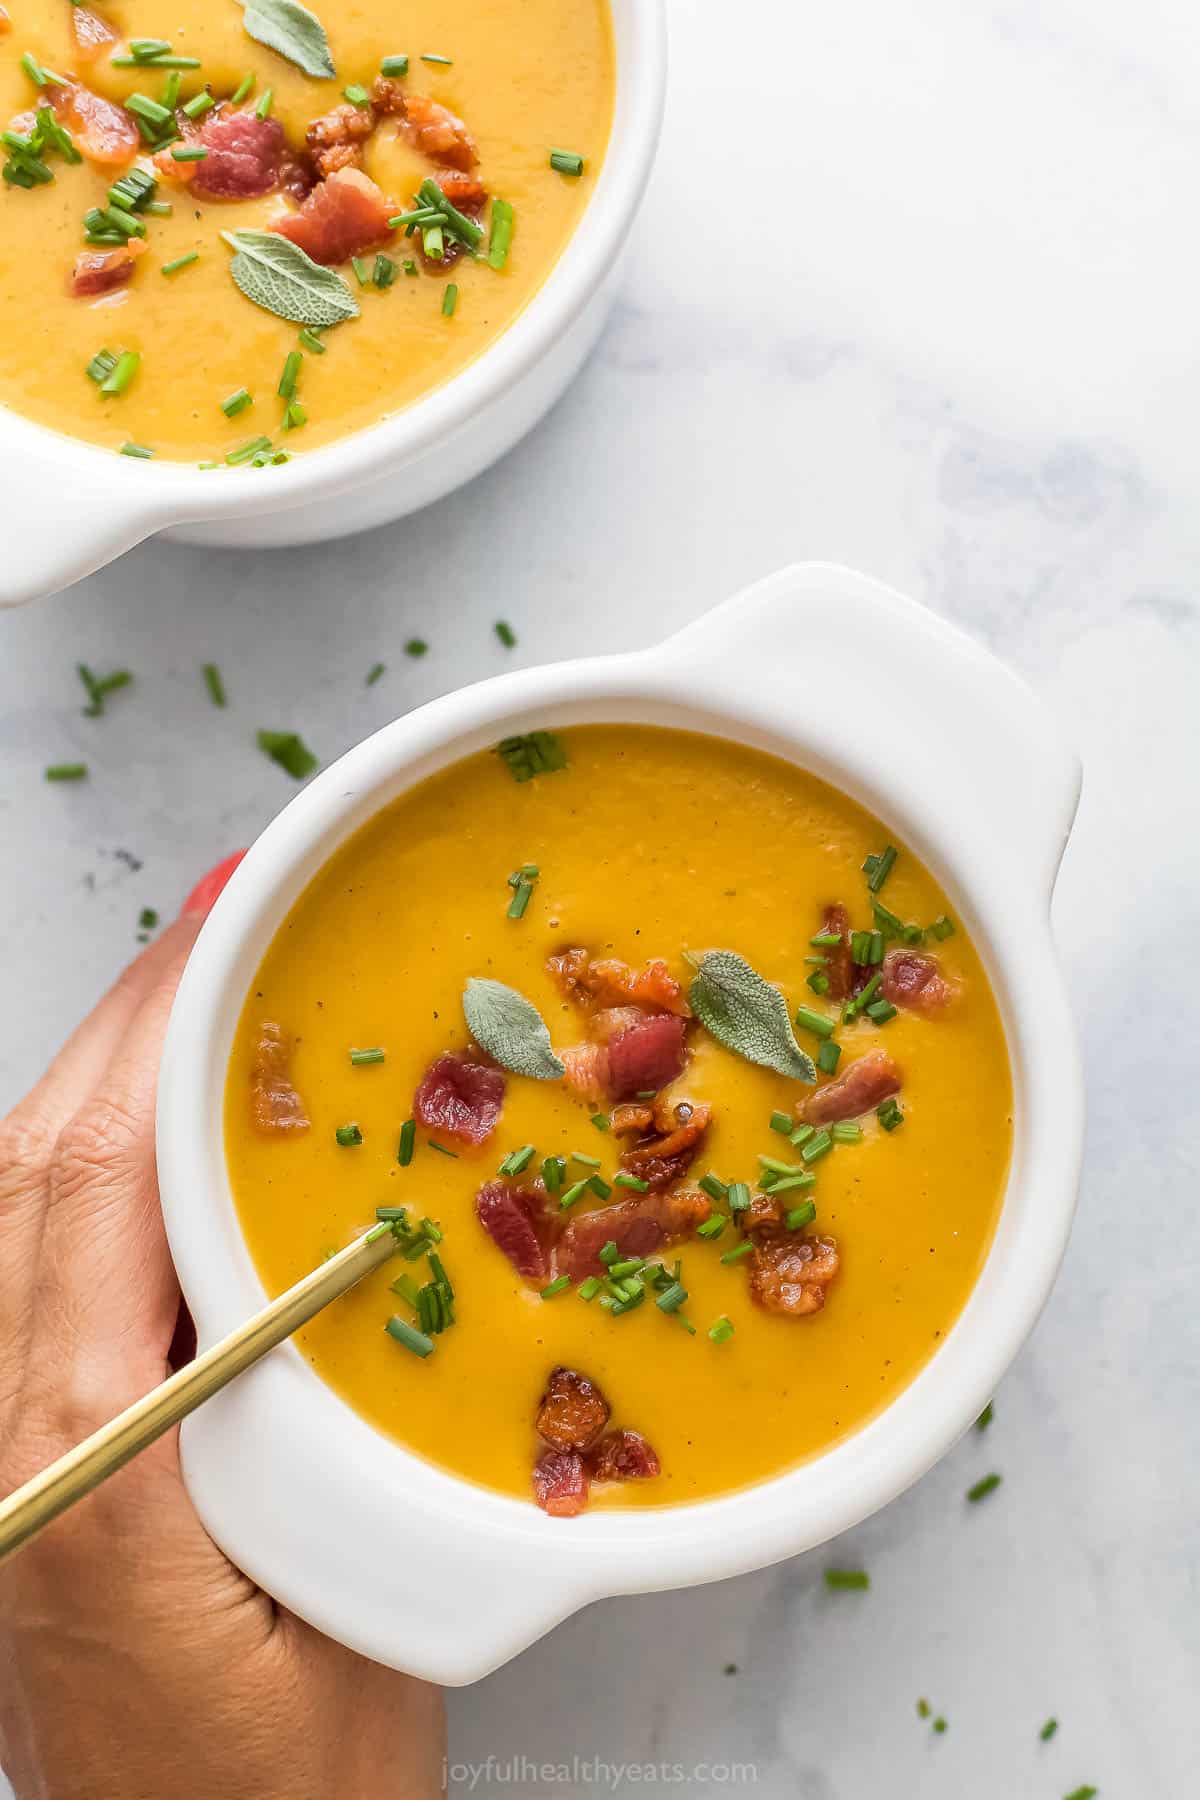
(46, 1495)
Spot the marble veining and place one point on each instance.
(946, 333)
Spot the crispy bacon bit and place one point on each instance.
(516, 1220)
(572, 1412)
(648, 1055)
(624, 1456)
(630, 1118)
(613, 983)
(867, 1082)
(335, 141)
(638, 1227)
(666, 1158)
(388, 97)
(915, 980)
(790, 1273)
(245, 155)
(343, 215)
(586, 1067)
(461, 1097)
(839, 964)
(90, 32)
(103, 133)
(560, 1483)
(764, 1209)
(465, 191)
(275, 1106)
(99, 271)
(437, 133)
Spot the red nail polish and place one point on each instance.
(205, 894)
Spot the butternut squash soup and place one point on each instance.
(684, 1093)
(232, 229)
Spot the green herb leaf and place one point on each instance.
(290, 29)
(289, 750)
(746, 1014)
(510, 1029)
(277, 275)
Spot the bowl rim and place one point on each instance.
(158, 494)
(997, 870)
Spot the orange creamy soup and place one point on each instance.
(682, 1087)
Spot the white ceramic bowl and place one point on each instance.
(70, 507)
(876, 695)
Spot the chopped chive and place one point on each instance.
(1086, 1792)
(782, 1123)
(590, 1287)
(442, 1150)
(501, 233)
(711, 1185)
(312, 342)
(122, 373)
(634, 1182)
(574, 1192)
(721, 1330)
(589, 1162)
(671, 1298)
(537, 753)
(802, 1134)
(558, 1286)
(384, 272)
(517, 1160)
(599, 1187)
(361, 269)
(520, 899)
(646, 1094)
(867, 992)
(291, 371)
(66, 772)
(374, 672)
(842, 1580)
(1048, 1730)
(878, 868)
(786, 1184)
(774, 1167)
(736, 1255)
(816, 1022)
(289, 750)
(449, 299)
(406, 1287)
(629, 1265)
(199, 105)
(214, 684)
(826, 939)
(923, 1709)
(817, 1146)
(983, 1488)
(394, 66)
(712, 1227)
(553, 1170)
(986, 1416)
(245, 451)
(416, 647)
(294, 415)
(408, 1139)
(171, 86)
(738, 1196)
(237, 402)
(263, 107)
(939, 1725)
(180, 262)
(33, 69)
(244, 89)
(609, 1254)
(828, 1056)
(818, 982)
(348, 1136)
(361, 1057)
(889, 1115)
(141, 451)
(188, 153)
(600, 1121)
(147, 919)
(567, 162)
(942, 928)
(433, 243)
(505, 633)
(429, 57)
(391, 1215)
(101, 365)
(847, 1131)
(410, 1337)
(800, 1216)
(880, 1011)
(357, 95)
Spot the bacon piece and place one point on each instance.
(100, 271)
(245, 156)
(465, 191)
(572, 1412)
(105, 134)
(343, 215)
(560, 1483)
(791, 1272)
(586, 1067)
(614, 983)
(335, 141)
(632, 1118)
(648, 1055)
(624, 1456)
(516, 1220)
(764, 1209)
(461, 1097)
(91, 34)
(868, 1081)
(388, 97)
(637, 1226)
(914, 980)
(666, 1158)
(275, 1106)
(437, 133)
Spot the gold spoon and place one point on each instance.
(33, 1506)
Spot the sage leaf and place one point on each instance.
(280, 276)
(289, 28)
(510, 1029)
(746, 1014)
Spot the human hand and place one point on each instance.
(136, 1662)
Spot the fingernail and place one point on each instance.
(206, 893)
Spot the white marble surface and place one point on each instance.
(915, 290)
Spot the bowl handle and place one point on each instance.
(930, 698)
(66, 518)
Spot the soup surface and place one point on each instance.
(827, 1232)
(488, 90)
